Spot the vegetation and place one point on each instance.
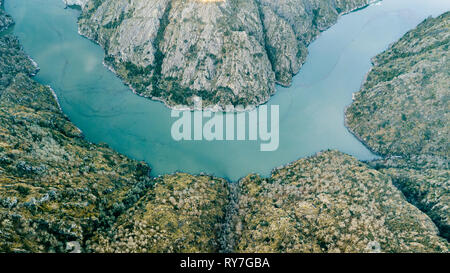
(330, 203)
(402, 109)
(183, 213)
(54, 186)
(226, 52)
(402, 112)
(60, 193)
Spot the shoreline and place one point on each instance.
(214, 109)
(217, 108)
(349, 129)
(211, 108)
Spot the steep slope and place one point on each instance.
(329, 203)
(226, 52)
(54, 186)
(183, 213)
(60, 193)
(57, 190)
(402, 112)
(425, 183)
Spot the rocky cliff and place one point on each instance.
(425, 183)
(60, 193)
(5, 20)
(183, 213)
(329, 203)
(226, 52)
(402, 112)
(55, 187)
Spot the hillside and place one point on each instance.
(5, 20)
(329, 203)
(60, 193)
(226, 52)
(402, 112)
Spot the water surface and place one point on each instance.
(311, 110)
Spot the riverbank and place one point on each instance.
(288, 41)
(401, 113)
(64, 191)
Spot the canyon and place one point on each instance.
(61, 193)
(225, 52)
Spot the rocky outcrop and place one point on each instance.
(5, 19)
(80, 3)
(291, 25)
(60, 193)
(330, 203)
(226, 52)
(425, 184)
(402, 112)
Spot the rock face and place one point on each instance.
(402, 108)
(80, 3)
(329, 203)
(226, 52)
(60, 193)
(402, 112)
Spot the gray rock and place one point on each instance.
(73, 247)
(226, 52)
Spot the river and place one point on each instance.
(311, 110)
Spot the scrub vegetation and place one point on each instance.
(402, 112)
(60, 193)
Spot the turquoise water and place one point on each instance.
(311, 110)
